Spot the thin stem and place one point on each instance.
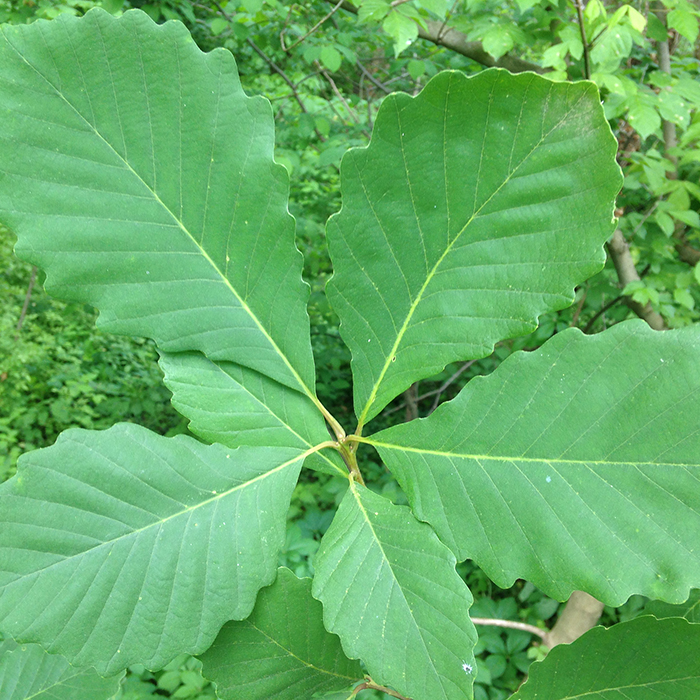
(330, 419)
(311, 31)
(435, 392)
(372, 79)
(601, 311)
(584, 41)
(337, 92)
(511, 625)
(579, 307)
(369, 684)
(348, 451)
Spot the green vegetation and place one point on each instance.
(327, 68)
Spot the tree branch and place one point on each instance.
(311, 31)
(511, 625)
(619, 251)
(580, 614)
(457, 41)
(584, 41)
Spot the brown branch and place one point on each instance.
(369, 684)
(686, 252)
(338, 94)
(445, 384)
(457, 41)
(580, 614)
(601, 311)
(272, 65)
(434, 392)
(669, 128)
(372, 79)
(311, 31)
(579, 307)
(619, 251)
(511, 625)
(586, 47)
(286, 79)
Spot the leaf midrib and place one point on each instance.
(159, 523)
(596, 693)
(517, 458)
(358, 500)
(307, 664)
(402, 331)
(178, 222)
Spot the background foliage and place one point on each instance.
(326, 67)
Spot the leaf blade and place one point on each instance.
(620, 662)
(232, 405)
(282, 650)
(138, 547)
(584, 478)
(29, 673)
(427, 247)
(123, 192)
(390, 591)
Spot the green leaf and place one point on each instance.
(282, 651)
(373, 10)
(416, 68)
(437, 7)
(583, 477)
(637, 20)
(684, 298)
(637, 660)
(689, 217)
(684, 22)
(690, 609)
(464, 220)
(138, 174)
(234, 405)
(330, 58)
(30, 672)
(673, 108)
(689, 90)
(219, 25)
(391, 593)
(136, 547)
(656, 30)
(403, 30)
(498, 41)
(643, 118)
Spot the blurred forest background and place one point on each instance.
(326, 66)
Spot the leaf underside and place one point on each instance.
(390, 591)
(234, 405)
(566, 469)
(465, 219)
(643, 659)
(29, 672)
(123, 546)
(689, 609)
(137, 173)
(282, 651)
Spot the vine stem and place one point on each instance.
(369, 684)
(511, 624)
(584, 41)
